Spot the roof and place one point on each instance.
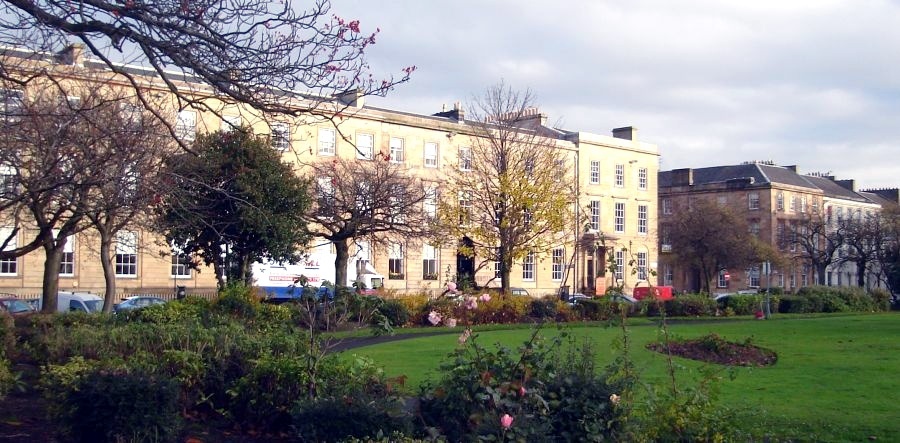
(834, 190)
(760, 174)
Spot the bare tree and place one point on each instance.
(817, 243)
(239, 51)
(512, 196)
(376, 200)
(864, 238)
(56, 148)
(708, 237)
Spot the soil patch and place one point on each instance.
(714, 349)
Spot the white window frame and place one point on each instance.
(430, 201)
(753, 201)
(126, 254)
(9, 267)
(465, 158)
(465, 208)
(231, 122)
(753, 277)
(620, 175)
(620, 217)
(68, 257)
(397, 150)
(365, 150)
(642, 179)
(186, 125)
(429, 262)
(779, 201)
(281, 136)
(180, 267)
(642, 266)
(528, 267)
(721, 281)
(9, 182)
(668, 275)
(558, 264)
(667, 206)
(595, 208)
(431, 151)
(642, 219)
(395, 262)
(327, 142)
(595, 172)
(620, 265)
(11, 104)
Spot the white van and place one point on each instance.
(76, 301)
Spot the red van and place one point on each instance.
(661, 292)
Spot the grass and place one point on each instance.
(836, 379)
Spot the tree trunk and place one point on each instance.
(342, 257)
(50, 293)
(820, 273)
(861, 274)
(109, 271)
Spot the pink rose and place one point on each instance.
(434, 318)
(485, 297)
(506, 421)
(471, 303)
(464, 336)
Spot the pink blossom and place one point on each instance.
(614, 399)
(451, 287)
(434, 318)
(471, 303)
(521, 391)
(485, 297)
(451, 323)
(506, 421)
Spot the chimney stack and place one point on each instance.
(457, 113)
(626, 133)
(72, 55)
(355, 98)
(683, 177)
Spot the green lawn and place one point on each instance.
(837, 377)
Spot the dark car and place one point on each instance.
(15, 306)
(137, 302)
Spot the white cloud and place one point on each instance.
(806, 82)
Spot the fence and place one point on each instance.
(167, 296)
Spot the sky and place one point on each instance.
(813, 83)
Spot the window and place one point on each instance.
(186, 125)
(667, 206)
(556, 270)
(429, 263)
(803, 203)
(67, 263)
(642, 179)
(326, 141)
(620, 217)
(325, 192)
(126, 254)
(465, 159)
(779, 201)
(529, 166)
(231, 122)
(465, 208)
(430, 201)
(815, 205)
(780, 234)
(642, 219)
(793, 239)
(642, 266)
(9, 182)
(668, 275)
(363, 255)
(595, 215)
(526, 217)
(665, 238)
(754, 228)
(9, 266)
(181, 263)
(721, 281)
(840, 214)
(753, 277)
(620, 176)
(11, 104)
(620, 265)
(395, 261)
(397, 155)
(528, 267)
(753, 200)
(365, 146)
(431, 155)
(281, 136)
(595, 172)
(793, 206)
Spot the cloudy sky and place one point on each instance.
(809, 82)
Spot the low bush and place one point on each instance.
(598, 309)
(544, 308)
(881, 299)
(264, 396)
(396, 312)
(112, 406)
(744, 304)
(501, 310)
(795, 304)
(341, 418)
(690, 305)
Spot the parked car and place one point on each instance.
(137, 302)
(15, 306)
(75, 301)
